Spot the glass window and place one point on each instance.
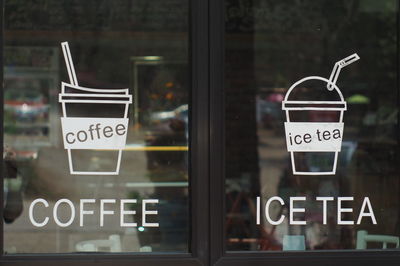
(311, 160)
(96, 130)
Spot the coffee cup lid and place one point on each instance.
(90, 95)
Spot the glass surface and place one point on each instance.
(275, 202)
(68, 187)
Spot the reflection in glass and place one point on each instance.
(140, 45)
(278, 43)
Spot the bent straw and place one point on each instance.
(338, 66)
(69, 63)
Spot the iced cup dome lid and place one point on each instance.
(332, 102)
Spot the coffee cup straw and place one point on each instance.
(337, 67)
(69, 63)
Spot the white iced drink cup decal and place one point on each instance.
(92, 133)
(316, 136)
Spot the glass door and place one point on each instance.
(98, 116)
(310, 137)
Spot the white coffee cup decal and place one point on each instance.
(316, 136)
(92, 133)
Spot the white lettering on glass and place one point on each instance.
(341, 210)
(370, 213)
(366, 210)
(147, 212)
(55, 213)
(83, 211)
(125, 212)
(292, 210)
(325, 207)
(267, 215)
(33, 221)
(103, 211)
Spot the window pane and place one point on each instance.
(313, 167)
(92, 166)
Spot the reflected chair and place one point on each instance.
(363, 238)
(293, 242)
(113, 244)
(145, 249)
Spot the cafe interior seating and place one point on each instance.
(363, 238)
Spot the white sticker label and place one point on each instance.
(313, 137)
(94, 133)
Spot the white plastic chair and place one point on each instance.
(113, 243)
(293, 242)
(145, 249)
(363, 238)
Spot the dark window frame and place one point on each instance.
(198, 183)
